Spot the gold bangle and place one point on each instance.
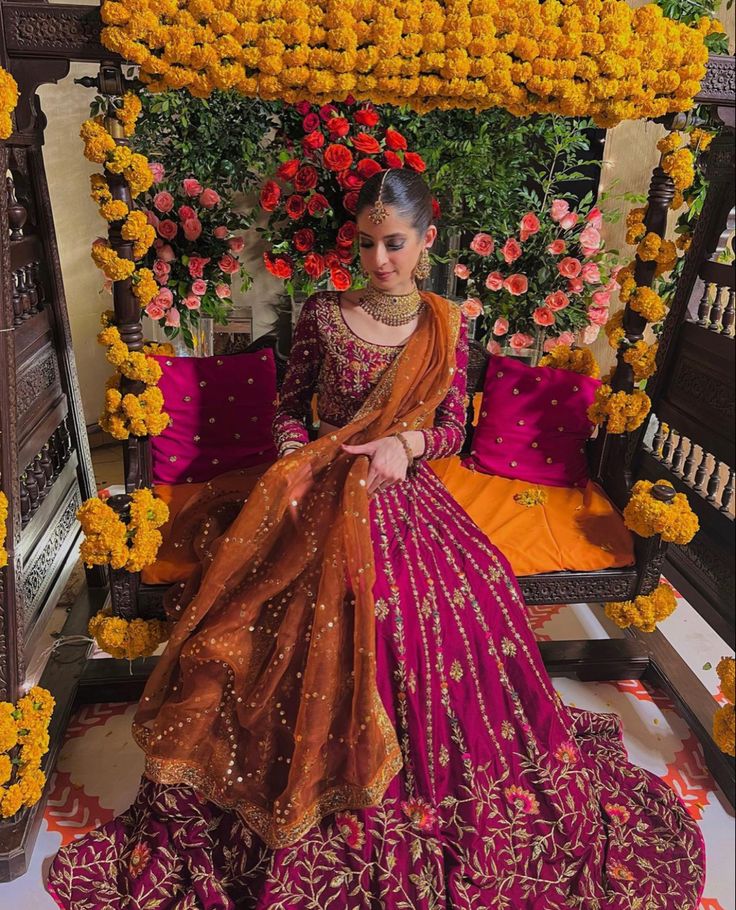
(407, 449)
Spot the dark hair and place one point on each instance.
(405, 191)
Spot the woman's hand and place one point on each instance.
(389, 461)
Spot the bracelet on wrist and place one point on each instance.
(407, 449)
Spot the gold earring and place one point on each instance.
(424, 266)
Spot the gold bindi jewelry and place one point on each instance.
(391, 309)
(379, 213)
(424, 266)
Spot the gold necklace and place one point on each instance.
(391, 309)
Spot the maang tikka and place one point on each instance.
(378, 213)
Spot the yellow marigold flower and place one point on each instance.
(636, 216)
(724, 729)
(114, 210)
(6, 769)
(647, 516)
(622, 412)
(648, 248)
(700, 139)
(648, 304)
(635, 233)
(645, 611)
(726, 670)
(564, 357)
(642, 358)
(11, 801)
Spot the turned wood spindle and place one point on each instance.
(728, 491)
(17, 213)
(714, 482)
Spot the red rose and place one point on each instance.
(280, 267)
(366, 117)
(337, 127)
(338, 157)
(349, 180)
(270, 195)
(416, 162)
(392, 159)
(316, 204)
(350, 202)
(305, 179)
(310, 123)
(186, 212)
(367, 144)
(345, 254)
(332, 260)
(326, 111)
(295, 206)
(314, 265)
(436, 210)
(302, 108)
(313, 140)
(346, 234)
(340, 278)
(304, 239)
(394, 140)
(287, 170)
(367, 167)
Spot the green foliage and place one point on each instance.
(223, 141)
(690, 11)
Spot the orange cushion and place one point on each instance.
(575, 529)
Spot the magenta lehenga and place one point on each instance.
(506, 799)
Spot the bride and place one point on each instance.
(352, 711)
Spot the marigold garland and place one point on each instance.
(577, 58)
(646, 516)
(642, 358)
(648, 304)
(645, 611)
(8, 101)
(622, 412)
(726, 670)
(614, 329)
(3, 528)
(125, 639)
(579, 360)
(23, 729)
(532, 496)
(724, 720)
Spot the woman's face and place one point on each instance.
(389, 251)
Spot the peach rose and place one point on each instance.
(557, 300)
(543, 316)
(223, 291)
(192, 228)
(209, 198)
(590, 239)
(164, 298)
(569, 221)
(564, 338)
(511, 250)
(589, 333)
(192, 187)
(157, 171)
(493, 347)
(494, 281)
(591, 273)
(163, 201)
(172, 317)
(221, 232)
(199, 287)
(236, 244)
(570, 267)
(161, 271)
(152, 219)
(166, 253)
(595, 217)
(598, 315)
(529, 225)
(516, 284)
(167, 229)
(519, 341)
(155, 310)
(482, 244)
(472, 307)
(228, 264)
(575, 285)
(559, 209)
(461, 271)
(602, 298)
(557, 247)
(500, 326)
(191, 302)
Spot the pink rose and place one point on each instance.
(164, 298)
(500, 326)
(570, 267)
(543, 316)
(602, 298)
(557, 247)
(516, 284)
(167, 229)
(590, 239)
(191, 302)
(196, 265)
(166, 253)
(598, 315)
(567, 222)
(154, 310)
(161, 271)
(199, 287)
(222, 290)
(519, 341)
(494, 282)
(590, 333)
(186, 212)
(192, 187)
(152, 218)
(192, 228)
(551, 343)
(591, 273)
(575, 285)
(614, 272)
(221, 232)
(236, 244)
(493, 347)
(559, 209)
(461, 271)
(529, 225)
(163, 201)
(209, 198)
(229, 265)
(482, 244)
(157, 170)
(172, 317)
(595, 217)
(511, 250)
(558, 300)
(472, 307)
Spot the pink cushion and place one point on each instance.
(533, 424)
(222, 409)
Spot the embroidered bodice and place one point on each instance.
(329, 359)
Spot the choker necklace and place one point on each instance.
(391, 309)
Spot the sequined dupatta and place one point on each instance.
(265, 699)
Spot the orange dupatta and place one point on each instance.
(265, 699)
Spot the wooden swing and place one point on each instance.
(46, 470)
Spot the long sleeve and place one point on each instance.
(448, 433)
(294, 408)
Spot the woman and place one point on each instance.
(352, 711)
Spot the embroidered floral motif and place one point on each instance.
(522, 799)
(619, 814)
(420, 812)
(412, 682)
(139, 859)
(508, 647)
(381, 608)
(351, 829)
(456, 671)
(567, 752)
(620, 872)
(444, 756)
